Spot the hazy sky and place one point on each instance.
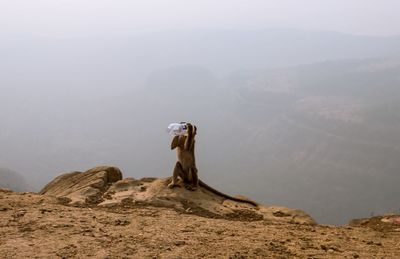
(74, 17)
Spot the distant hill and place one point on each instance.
(12, 180)
(129, 56)
(323, 136)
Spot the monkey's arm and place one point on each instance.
(189, 139)
(175, 142)
(205, 186)
(191, 148)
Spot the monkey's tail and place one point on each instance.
(209, 188)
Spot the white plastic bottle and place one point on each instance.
(177, 128)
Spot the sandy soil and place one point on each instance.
(37, 226)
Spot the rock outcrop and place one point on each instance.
(104, 187)
(77, 188)
(383, 223)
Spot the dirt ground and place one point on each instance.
(37, 226)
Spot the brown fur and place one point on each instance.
(185, 167)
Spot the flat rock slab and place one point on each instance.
(104, 187)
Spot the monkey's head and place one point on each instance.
(179, 141)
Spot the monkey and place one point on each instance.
(185, 167)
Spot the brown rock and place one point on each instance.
(83, 188)
(103, 186)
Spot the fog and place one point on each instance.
(295, 104)
(70, 18)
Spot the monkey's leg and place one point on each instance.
(193, 179)
(178, 172)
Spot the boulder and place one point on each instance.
(77, 188)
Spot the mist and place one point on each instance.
(295, 105)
